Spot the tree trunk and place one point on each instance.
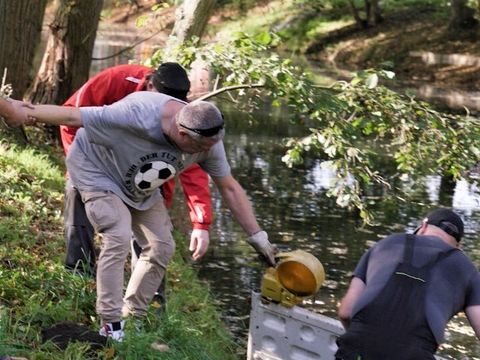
(361, 23)
(356, 15)
(66, 63)
(375, 14)
(447, 190)
(462, 17)
(191, 19)
(20, 29)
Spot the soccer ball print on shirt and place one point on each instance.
(153, 174)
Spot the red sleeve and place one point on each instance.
(92, 93)
(67, 135)
(167, 191)
(105, 88)
(197, 194)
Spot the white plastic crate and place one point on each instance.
(280, 333)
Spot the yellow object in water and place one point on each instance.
(298, 274)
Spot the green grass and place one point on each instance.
(36, 291)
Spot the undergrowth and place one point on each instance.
(37, 292)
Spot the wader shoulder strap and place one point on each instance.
(440, 256)
(408, 252)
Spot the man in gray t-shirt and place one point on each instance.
(124, 152)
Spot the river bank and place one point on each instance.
(413, 41)
(438, 64)
(48, 312)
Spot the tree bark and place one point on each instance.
(191, 19)
(66, 63)
(360, 23)
(462, 17)
(447, 190)
(375, 14)
(20, 29)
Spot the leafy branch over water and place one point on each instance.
(351, 124)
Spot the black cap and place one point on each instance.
(172, 76)
(446, 220)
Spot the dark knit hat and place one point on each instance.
(448, 221)
(171, 78)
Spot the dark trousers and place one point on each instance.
(364, 343)
(79, 234)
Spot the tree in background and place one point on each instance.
(372, 10)
(20, 29)
(191, 19)
(462, 16)
(66, 62)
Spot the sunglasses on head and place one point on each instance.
(205, 132)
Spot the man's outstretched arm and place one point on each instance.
(242, 211)
(18, 113)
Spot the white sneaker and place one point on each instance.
(113, 330)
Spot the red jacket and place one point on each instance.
(115, 83)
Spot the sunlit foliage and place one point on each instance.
(351, 123)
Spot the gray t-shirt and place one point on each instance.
(454, 283)
(122, 149)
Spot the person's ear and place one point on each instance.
(423, 228)
(150, 86)
(182, 132)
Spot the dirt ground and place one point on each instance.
(397, 37)
(394, 40)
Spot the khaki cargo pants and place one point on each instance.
(114, 221)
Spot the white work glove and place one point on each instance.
(263, 247)
(199, 241)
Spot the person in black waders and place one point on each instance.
(404, 291)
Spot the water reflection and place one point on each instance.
(117, 45)
(291, 205)
(466, 197)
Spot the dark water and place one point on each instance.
(291, 205)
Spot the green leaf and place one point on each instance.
(264, 38)
(141, 21)
(281, 77)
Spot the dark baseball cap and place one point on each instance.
(448, 221)
(172, 76)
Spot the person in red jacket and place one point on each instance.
(105, 88)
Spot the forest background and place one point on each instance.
(434, 41)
